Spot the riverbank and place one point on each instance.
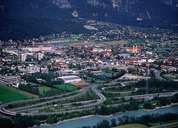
(92, 120)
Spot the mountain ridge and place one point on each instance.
(159, 13)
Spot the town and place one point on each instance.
(120, 68)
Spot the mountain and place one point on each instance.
(28, 18)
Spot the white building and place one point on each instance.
(133, 77)
(44, 69)
(22, 57)
(39, 49)
(11, 80)
(40, 55)
(71, 79)
(33, 69)
(125, 55)
(29, 69)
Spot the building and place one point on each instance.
(133, 49)
(102, 50)
(71, 79)
(168, 68)
(133, 77)
(44, 69)
(59, 62)
(10, 80)
(39, 49)
(124, 55)
(33, 69)
(23, 57)
(30, 68)
(39, 55)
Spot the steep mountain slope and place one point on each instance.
(24, 18)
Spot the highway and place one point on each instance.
(51, 100)
(151, 96)
(56, 100)
(38, 105)
(44, 102)
(84, 104)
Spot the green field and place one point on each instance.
(44, 89)
(48, 91)
(66, 87)
(8, 94)
(132, 126)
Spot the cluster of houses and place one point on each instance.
(68, 61)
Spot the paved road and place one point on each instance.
(56, 100)
(47, 101)
(150, 96)
(89, 105)
(85, 105)
(63, 106)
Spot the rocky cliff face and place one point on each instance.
(133, 12)
(145, 9)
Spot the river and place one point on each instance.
(94, 119)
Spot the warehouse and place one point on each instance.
(71, 79)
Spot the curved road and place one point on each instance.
(85, 105)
